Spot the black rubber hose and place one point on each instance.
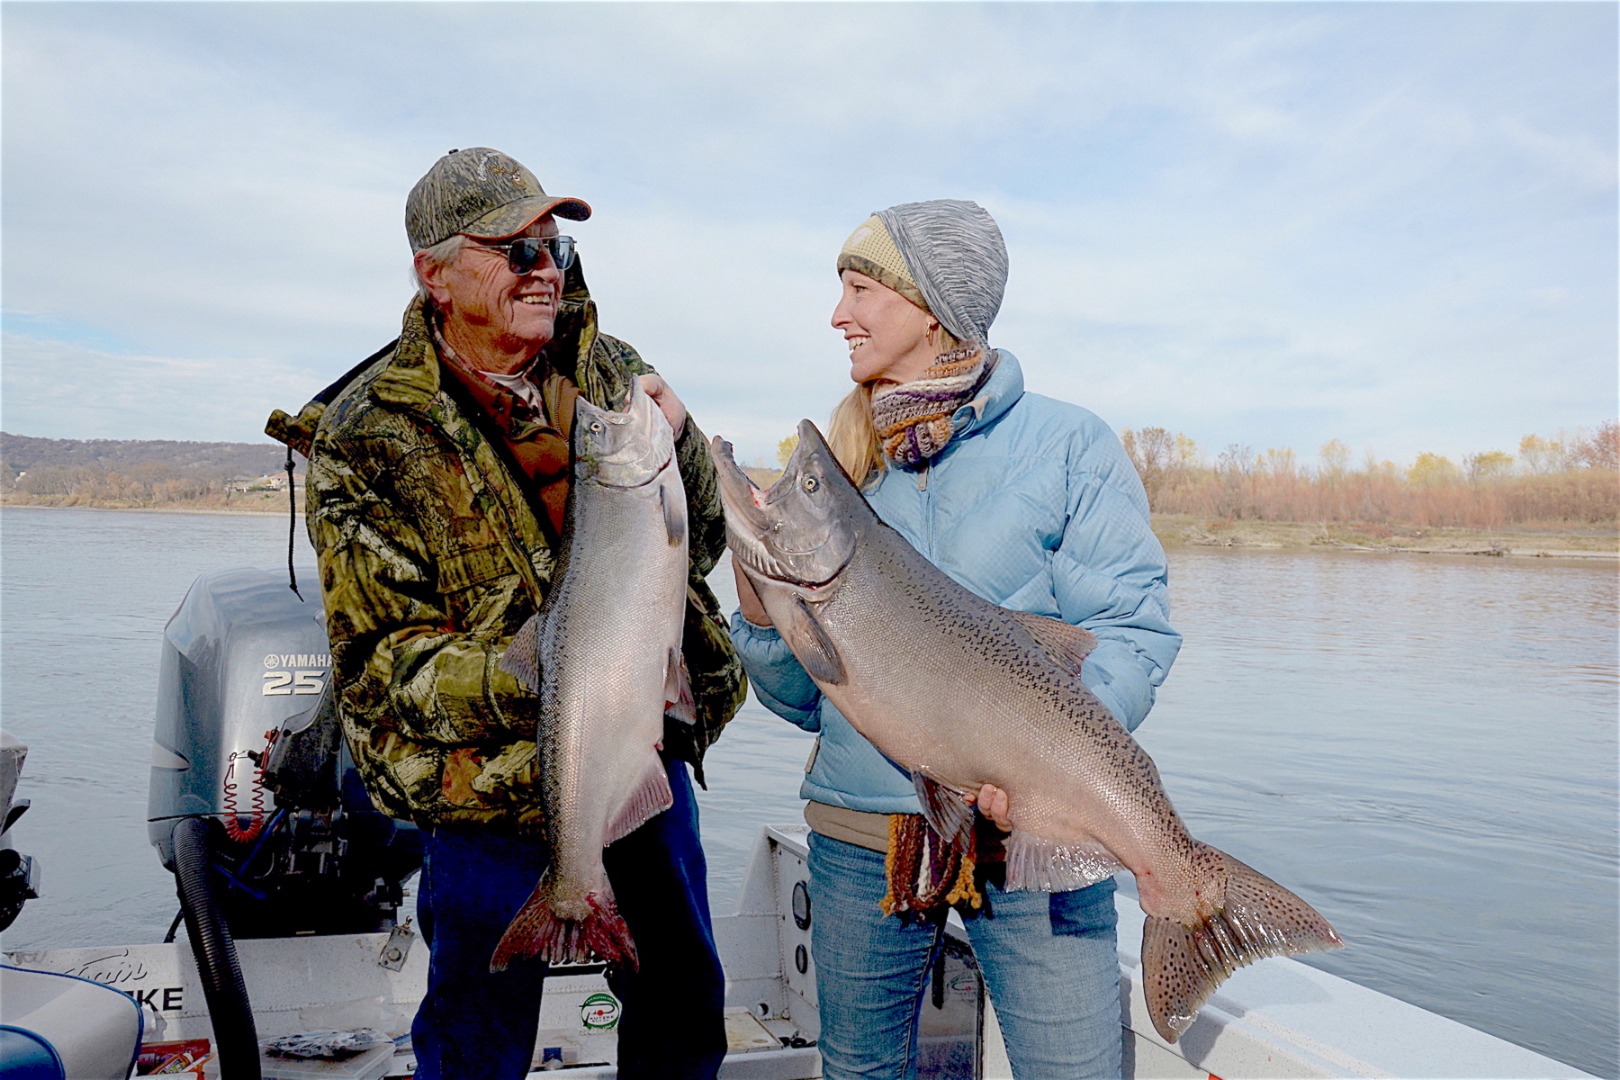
(236, 1039)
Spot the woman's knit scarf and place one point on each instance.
(913, 420)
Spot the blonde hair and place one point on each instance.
(851, 434)
(852, 437)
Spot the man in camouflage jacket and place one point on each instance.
(435, 492)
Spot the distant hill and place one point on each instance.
(19, 453)
(142, 472)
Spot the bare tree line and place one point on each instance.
(1561, 480)
(140, 473)
(1564, 480)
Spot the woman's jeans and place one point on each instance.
(475, 1025)
(1050, 961)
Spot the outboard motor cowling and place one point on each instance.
(243, 658)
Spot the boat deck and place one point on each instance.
(1279, 1018)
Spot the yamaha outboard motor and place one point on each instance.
(255, 804)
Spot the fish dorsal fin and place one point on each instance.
(679, 702)
(1043, 865)
(812, 646)
(944, 805)
(649, 798)
(1066, 644)
(674, 516)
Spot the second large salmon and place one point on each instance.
(962, 692)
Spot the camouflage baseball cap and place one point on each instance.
(483, 193)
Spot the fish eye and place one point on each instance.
(811, 483)
(596, 427)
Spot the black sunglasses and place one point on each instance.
(523, 254)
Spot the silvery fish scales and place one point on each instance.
(604, 655)
(962, 693)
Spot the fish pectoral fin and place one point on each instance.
(649, 797)
(522, 657)
(679, 701)
(944, 805)
(1042, 865)
(674, 515)
(812, 646)
(1065, 644)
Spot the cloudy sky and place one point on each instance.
(1267, 225)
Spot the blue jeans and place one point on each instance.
(477, 1025)
(1050, 960)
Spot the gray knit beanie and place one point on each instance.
(957, 257)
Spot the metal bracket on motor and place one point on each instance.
(397, 947)
(19, 882)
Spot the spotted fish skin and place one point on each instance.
(962, 692)
(603, 653)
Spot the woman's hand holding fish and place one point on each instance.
(665, 399)
(747, 599)
(992, 803)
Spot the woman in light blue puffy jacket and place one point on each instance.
(1033, 504)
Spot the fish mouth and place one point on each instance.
(625, 448)
(747, 523)
(598, 475)
(652, 477)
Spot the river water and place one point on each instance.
(1424, 747)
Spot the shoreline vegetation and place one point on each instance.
(1559, 498)
(1174, 530)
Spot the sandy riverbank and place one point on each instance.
(1575, 542)
(1182, 530)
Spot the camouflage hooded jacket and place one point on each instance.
(431, 557)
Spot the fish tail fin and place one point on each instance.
(1182, 965)
(539, 931)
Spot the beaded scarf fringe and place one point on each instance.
(925, 873)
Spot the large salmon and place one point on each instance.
(604, 656)
(962, 692)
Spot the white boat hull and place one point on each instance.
(1279, 1018)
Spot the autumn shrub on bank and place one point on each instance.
(1553, 483)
